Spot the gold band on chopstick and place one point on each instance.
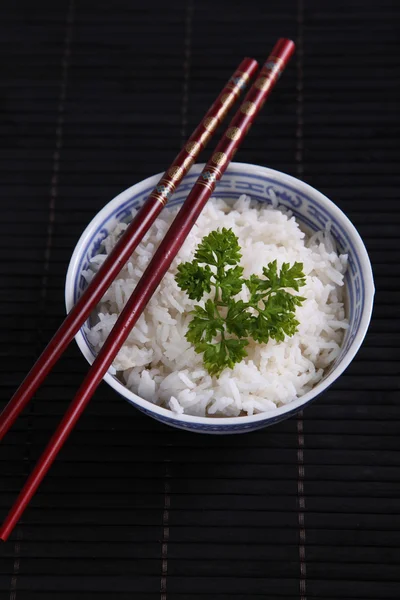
(210, 176)
(163, 190)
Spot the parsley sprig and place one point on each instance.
(220, 330)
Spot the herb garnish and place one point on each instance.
(220, 329)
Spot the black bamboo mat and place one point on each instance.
(95, 96)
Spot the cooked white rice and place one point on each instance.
(160, 365)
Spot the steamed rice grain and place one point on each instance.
(161, 366)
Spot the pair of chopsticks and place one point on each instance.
(159, 264)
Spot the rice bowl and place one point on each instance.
(314, 212)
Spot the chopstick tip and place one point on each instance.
(284, 48)
(4, 534)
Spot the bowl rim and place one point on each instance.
(292, 406)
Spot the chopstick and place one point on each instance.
(157, 268)
(168, 183)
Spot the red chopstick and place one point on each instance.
(157, 268)
(128, 242)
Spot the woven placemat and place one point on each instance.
(95, 97)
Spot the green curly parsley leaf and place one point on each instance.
(231, 283)
(205, 325)
(194, 280)
(220, 331)
(221, 355)
(219, 248)
(238, 320)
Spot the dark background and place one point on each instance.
(94, 97)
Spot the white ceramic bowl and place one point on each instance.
(311, 208)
